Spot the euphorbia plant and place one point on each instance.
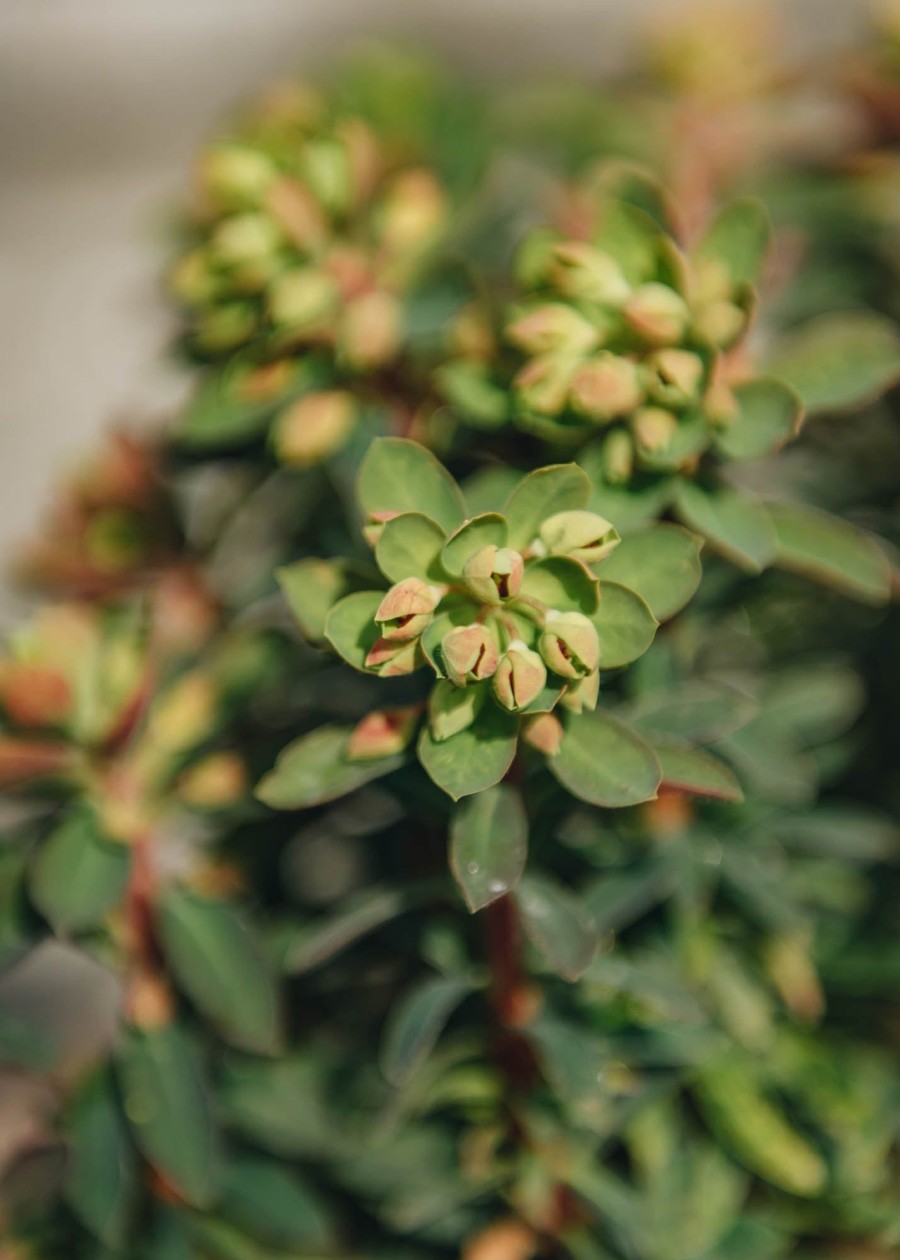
(456, 854)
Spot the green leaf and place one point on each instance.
(698, 711)
(488, 845)
(397, 475)
(625, 625)
(102, 1174)
(831, 551)
(561, 583)
(410, 546)
(694, 770)
(277, 1104)
(488, 489)
(468, 387)
(474, 759)
(482, 531)
(321, 941)
(77, 875)
(813, 702)
(219, 964)
(350, 627)
(314, 769)
(739, 237)
(769, 415)
(662, 564)
(169, 1109)
(272, 1203)
(558, 924)
(543, 493)
(416, 1022)
(841, 829)
(312, 588)
(734, 524)
(605, 763)
(224, 413)
(840, 361)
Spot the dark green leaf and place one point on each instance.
(840, 361)
(661, 563)
(323, 940)
(416, 1022)
(696, 771)
(314, 769)
(558, 924)
(350, 626)
(488, 845)
(224, 412)
(734, 524)
(699, 711)
(272, 1203)
(831, 551)
(769, 415)
(605, 763)
(312, 587)
(77, 876)
(277, 1105)
(625, 625)
(102, 1173)
(739, 237)
(473, 759)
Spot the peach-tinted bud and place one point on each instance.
(264, 382)
(364, 158)
(588, 274)
(22, 760)
(582, 694)
(218, 780)
(544, 732)
(235, 177)
(618, 457)
(374, 527)
(720, 323)
(303, 300)
(544, 382)
(34, 695)
(469, 654)
(506, 1240)
(370, 330)
(297, 213)
(520, 677)
(673, 376)
(607, 385)
(393, 659)
(569, 644)
(653, 428)
(657, 314)
(314, 427)
(552, 327)
(413, 212)
(407, 609)
(584, 536)
(383, 733)
(720, 404)
(245, 239)
(150, 1001)
(494, 574)
(184, 714)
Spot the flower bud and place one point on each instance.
(383, 733)
(617, 458)
(606, 386)
(245, 240)
(552, 327)
(520, 677)
(185, 714)
(314, 427)
(673, 376)
(297, 213)
(582, 694)
(393, 658)
(218, 780)
(720, 404)
(720, 323)
(413, 212)
(509, 1239)
(236, 177)
(588, 274)
(654, 428)
(225, 327)
(584, 536)
(544, 732)
(656, 314)
(569, 644)
(303, 300)
(370, 330)
(407, 609)
(544, 382)
(34, 695)
(494, 574)
(469, 654)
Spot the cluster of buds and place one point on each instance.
(308, 230)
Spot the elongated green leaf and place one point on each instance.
(488, 845)
(561, 583)
(830, 551)
(218, 962)
(277, 1104)
(272, 1203)
(397, 475)
(739, 237)
(482, 531)
(840, 361)
(312, 588)
(416, 1023)
(605, 763)
(625, 625)
(410, 546)
(694, 770)
(557, 488)
(350, 626)
(473, 759)
(734, 524)
(661, 564)
(227, 411)
(558, 924)
(841, 829)
(574, 1063)
(698, 711)
(78, 876)
(314, 769)
(168, 1108)
(769, 415)
(323, 940)
(102, 1174)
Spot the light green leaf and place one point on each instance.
(625, 625)
(488, 845)
(271, 1202)
(488, 489)
(661, 563)
(168, 1108)
(831, 551)
(543, 493)
(312, 588)
(840, 361)
(468, 387)
(220, 965)
(739, 237)
(605, 763)
(102, 1174)
(561, 583)
(77, 875)
(416, 1022)
(474, 759)
(410, 546)
(769, 415)
(482, 531)
(314, 769)
(697, 771)
(734, 524)
(397, 475)
(558, 924)
(350, 627)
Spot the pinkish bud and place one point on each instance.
(673, 376)
(720, 323)
(34, 695)
(303, 300)
(520, 677)
(494, 574)
(584, 536)
(569, 644)
(653, 428)
(657, 314)
(469, 654)
(550, 328)
(314, 427)
(391, 659)
(369, 330)
(544, 382)
(383, 733)
(215, 782)
(407, 609)
(413, 212)
(582, 694)
(617, 457)
(588, 274)
(298, 214)
(544, 732)
(606, 386)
